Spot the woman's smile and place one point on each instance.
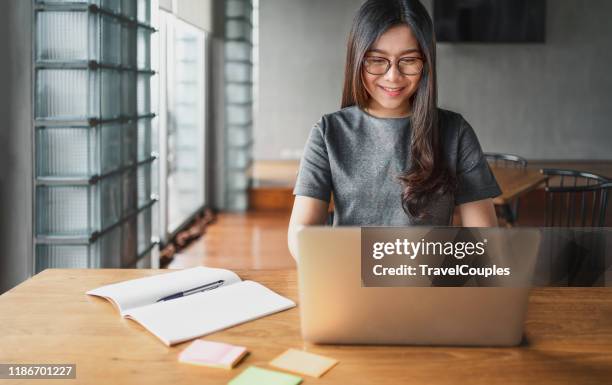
(392, 91)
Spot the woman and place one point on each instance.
(390, 156)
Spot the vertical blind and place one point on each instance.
(94, 127)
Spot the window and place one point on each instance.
(183, 121)
(94, 155)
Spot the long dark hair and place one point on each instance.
(427, 176)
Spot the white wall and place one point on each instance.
(302, 48)
(165, 4)
(542, 101)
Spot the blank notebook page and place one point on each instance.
(199, 314)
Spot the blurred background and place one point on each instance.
(167, 133)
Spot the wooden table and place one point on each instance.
(49, 319)
(515, 182)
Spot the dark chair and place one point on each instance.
(508, 212)
(505, 160)
(574, 244)
(575, 198)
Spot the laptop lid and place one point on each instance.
(335, 308)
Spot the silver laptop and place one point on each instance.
(336, 309)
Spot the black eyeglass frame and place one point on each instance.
(396, 63)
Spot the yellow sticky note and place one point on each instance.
(302, 362)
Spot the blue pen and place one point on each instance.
(208, 286)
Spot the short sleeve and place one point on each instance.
(314, 175)
(475, 181)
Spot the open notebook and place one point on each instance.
(182, 319)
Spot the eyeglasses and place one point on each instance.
(408, 66)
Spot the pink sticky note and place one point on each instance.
(215, 354)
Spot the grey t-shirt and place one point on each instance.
(358, 157)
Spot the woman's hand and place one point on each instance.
(306, 212)
(478, 214)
